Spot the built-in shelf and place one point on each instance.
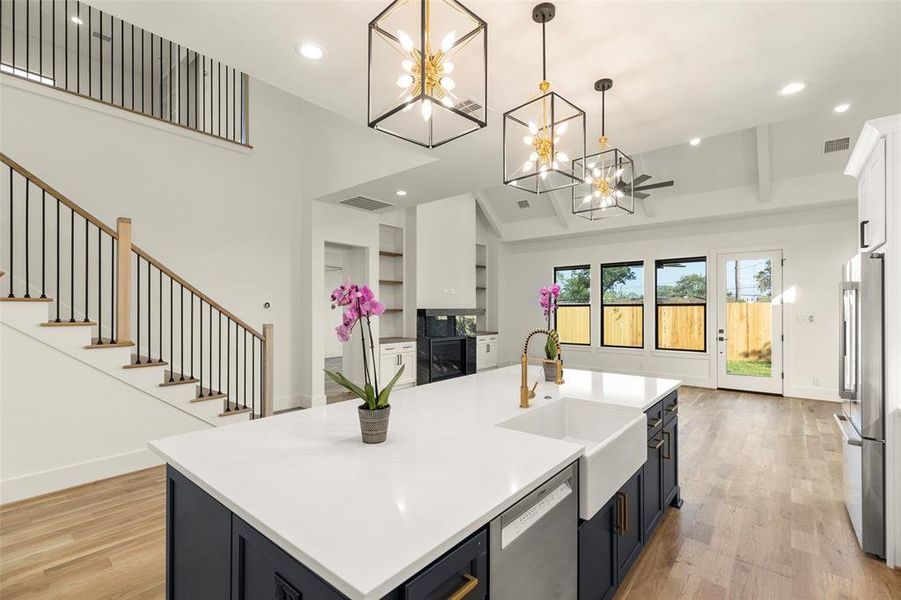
(390, 253)
(481, 287)
(480, 266)
(394, 310)
(391, 276)
(390, 282)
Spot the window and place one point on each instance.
(622, 305)
(573, 319)
(681, 304)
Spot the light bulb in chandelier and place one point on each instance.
(405, 40)
(426, 110)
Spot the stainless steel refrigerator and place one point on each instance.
(861, 385)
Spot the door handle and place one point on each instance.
(863, 233)
(722, 338)
(618, 528)
(667, 453)
(399, 360)
(470, 584)
(487, 347)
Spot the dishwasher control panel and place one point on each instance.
(520, 524)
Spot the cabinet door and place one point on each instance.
(652, 491)
(597, 552)
(388, 366)
(198, 542)
(871, 199)
(670, 461)
(261, 570)
(628, 525)
(462, 573)
(481, 355)
(491, 352)
(408, 360)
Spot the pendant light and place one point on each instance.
(606, 188)
(546, 135)
(428, 71)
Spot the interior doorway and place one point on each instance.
(342, 263)
(749, 321)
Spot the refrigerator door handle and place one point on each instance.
(848, 433)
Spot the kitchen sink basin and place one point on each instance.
(614, 438)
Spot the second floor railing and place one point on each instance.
(96, 277)
(72, 46)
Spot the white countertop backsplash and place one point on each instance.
(367, 517)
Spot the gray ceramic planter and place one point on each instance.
(374, 424)
(550, 370)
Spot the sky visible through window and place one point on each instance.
(752, 280)
(682, 282)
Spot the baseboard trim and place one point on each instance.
(812, 393)
(44, 482)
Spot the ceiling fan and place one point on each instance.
(639, 191)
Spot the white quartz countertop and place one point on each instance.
(365, 518)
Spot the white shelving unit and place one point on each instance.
(391, 280)
(481, 267)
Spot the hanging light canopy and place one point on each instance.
(428, 71)
(606, 188)
(545, 135)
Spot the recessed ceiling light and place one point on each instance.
(76, 20)
(310, 50)
(842, 107)
(401, 192)
(792, 88)
(694, 141)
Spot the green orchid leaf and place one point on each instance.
(347, 384)
(370, 396)
(386, 391)
(550, 348)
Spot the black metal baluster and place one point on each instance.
(72, 267)
(86, 263)
(132, 39)
(27, 49)
(181, 329)
(59, 297)
(149, 314)
(161, 313)
(27, 244)
(90, 51)
(161, 74)
(203, 95)
(178, 80)
(121, 61)
(228, 364)
(113, 290)
(78, 48)
(219, 100)
(226, 101)
(100, 45)
(171, 337)
(245, 369)
(12, 262)
(99, 284)
(43, 243)
(169, 72)
(138, 312)
(13, 30)
(253, 377)
(234, 110)
(143, 94)
(53, 44)
(192, 335)
(219, 339)
(66, 42)
(200, 355)
(41, 41)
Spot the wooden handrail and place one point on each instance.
(181, 281)
(53, 192)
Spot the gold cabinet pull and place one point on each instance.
(656, 422)
(667, 455)
(470, 584)
(673, 409)
(655, 443)
(625, 512)
(619, 527)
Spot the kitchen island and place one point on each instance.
(297, 506)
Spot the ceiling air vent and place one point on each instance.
(102, 36)
(364, 203)
(522, 203)
(836, 145)
(468, 106)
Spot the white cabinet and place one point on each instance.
(871, 199)
(486, 352)
(392, 357)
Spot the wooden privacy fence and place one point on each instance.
(749, 331)
(680, 327)
(574, 324)
(623, 325)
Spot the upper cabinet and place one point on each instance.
(873, 162)
(446, 253)
(871, 199)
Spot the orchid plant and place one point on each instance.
(360, 305)
(547, 299)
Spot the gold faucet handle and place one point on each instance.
(532, 391)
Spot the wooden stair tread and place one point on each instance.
(145, 362)
(94, 345)
(208, 395)
(173, 378)
(234, 409)
(68, 324)
(18, 299)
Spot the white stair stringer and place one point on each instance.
(27, 317)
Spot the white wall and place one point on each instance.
(56, 434)
(814, 243)
(446, 253)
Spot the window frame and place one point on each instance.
(634, 263)
(657, 304)
(588, 304)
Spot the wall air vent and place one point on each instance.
(836, 145)
(522, 203)
(468, 106)
(364, 203)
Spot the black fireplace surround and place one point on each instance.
(445, 344)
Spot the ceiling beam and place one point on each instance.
(764, 164)
(562, 216)
(490, 214)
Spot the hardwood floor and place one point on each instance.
(763, 518)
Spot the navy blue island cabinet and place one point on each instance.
(212, 554)
(613, 539)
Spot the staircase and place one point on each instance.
(74, 283)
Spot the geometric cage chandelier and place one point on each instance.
(607, 186)
(544, 138)
(428, 71)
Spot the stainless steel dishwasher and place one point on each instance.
(534, 548)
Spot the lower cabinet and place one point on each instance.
(628, 528)
(597, 554)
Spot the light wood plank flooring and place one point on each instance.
(763, 518)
